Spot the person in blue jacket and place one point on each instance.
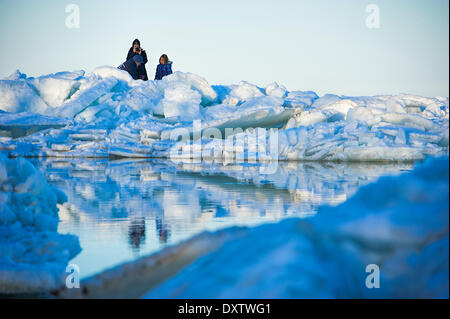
(164, 67)
(132, 66)
(137, 50)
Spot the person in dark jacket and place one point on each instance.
(137, 50)
(164, 67)
(132, 66)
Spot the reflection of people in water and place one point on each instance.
(162, 229)
(136, 232)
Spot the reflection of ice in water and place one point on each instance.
(123, 209)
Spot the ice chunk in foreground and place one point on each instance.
(399, 224)
(33, 255)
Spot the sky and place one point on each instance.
(319, 45)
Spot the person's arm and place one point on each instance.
(144, 56)
(157, 72)
(130, 54)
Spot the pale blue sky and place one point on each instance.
(320, 45)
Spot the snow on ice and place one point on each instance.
(33, 255)
(400, 223)
(105, 114)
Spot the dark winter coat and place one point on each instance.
(162, 70)
(141, 69)
(131, 67)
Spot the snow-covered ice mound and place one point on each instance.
(398, 223)
(33, 255)
(106, 113)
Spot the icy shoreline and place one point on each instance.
(106, 114)
(398, 223)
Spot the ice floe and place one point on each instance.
(33, 255)
(119, 117)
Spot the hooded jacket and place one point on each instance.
(131, 67)
(162, 70)
(141, 69)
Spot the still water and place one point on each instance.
(124, 209)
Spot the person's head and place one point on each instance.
(136, 44)
(138, 60)
(163, 59)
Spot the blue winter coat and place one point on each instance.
(131, 67)
(162, 70)
(141, 69)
